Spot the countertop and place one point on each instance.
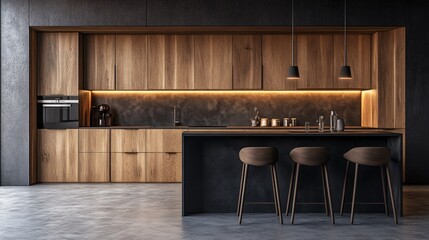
(314, 128)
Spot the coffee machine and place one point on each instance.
(101, 116)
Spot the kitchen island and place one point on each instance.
(211, 170)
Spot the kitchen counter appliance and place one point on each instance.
(57, 112)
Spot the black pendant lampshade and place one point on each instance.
(345, 71)
(293, 72)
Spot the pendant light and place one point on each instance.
(345, 71)
(293, 71)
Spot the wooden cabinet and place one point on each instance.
(58, 64)
(128, 167)
(315, 61)
(246, 62)
(128, 140)
(276, 59)
(213, 62)
(146, 155)
(163, 167)
(171, 64)
(99, 58)
(358, 58)
(94, 155)
(131, 62)
(57, 155)
(164, 140)
(94, 167)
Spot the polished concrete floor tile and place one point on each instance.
(153, 211)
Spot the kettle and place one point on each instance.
(340, 125)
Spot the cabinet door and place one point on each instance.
(99, 55)
(246, 62)
(94, 167)
(131, 62)
(128, 167)
(57, 155)
(58, 64)
(276, 59)
(171, 64)
(164, 140)
(94, 140)
(315, 61)
(128, 140)
(163, 167)
(213, 62)
(358, 58)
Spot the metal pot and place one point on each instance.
(275, 122)
(264, 122)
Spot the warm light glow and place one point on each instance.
(229, 92)
(345, 78)
(292, 78)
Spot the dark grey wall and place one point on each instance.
(17, 16)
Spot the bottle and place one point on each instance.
(321, 122)
(333, 121)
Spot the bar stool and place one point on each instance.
(310, 156)
(259, 156)
(369, 156)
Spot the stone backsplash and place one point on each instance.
(227, 108)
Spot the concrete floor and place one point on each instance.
(153, 211)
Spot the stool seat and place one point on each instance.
(370, 156)
(310, 156)
(259, 156)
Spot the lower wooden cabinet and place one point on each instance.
(163, 167)
(57, 155)
(128, 167)
(94, 167)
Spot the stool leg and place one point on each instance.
(328, 190)
(391, 194)
(243, 193)
(241, 189)
(276, 182)
(343, 196)
(384, 191)
(324, 190)
(354, 194)
(292, 175)
(274, 190)
(294, 194)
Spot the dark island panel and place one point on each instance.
(211, 171)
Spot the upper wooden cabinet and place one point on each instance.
(246, 62)
(213, 62)
(131, 62)
(276, 59)
(99, 58)
(315, 57)
(58, 64)
(57, 155)
(171, 64)
(358, 58)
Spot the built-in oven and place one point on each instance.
(57, 112)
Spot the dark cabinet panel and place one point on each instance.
(87, 12)
(392, 12)
(221, 12)
(319, 13)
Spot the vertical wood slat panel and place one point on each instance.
(276, 59)
(213, 62)
(131, 62)
(246, 61)
(171, 64)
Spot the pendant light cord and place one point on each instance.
(345, 32)
(293, 49)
